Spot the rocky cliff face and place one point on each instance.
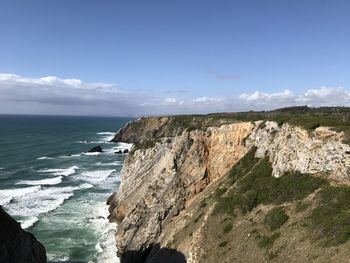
(16, 245)
(163, 182)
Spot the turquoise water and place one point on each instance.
(55, 189)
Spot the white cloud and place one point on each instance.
(313, 97)
(261, 96)
(53, 95)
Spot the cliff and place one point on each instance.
(209, 188)
(16, 245)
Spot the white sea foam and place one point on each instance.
(26, 223)
(106, 133)
(49, 181)
(85, 186)
(83, 142)
(41, 201)
(95, 176)
(93, 153)
(44, 158)
(8, 194)
(106, 231)
(108, 136)
(116, 163)
(64, 172)
(123, 145)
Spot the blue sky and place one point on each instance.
(168, 54)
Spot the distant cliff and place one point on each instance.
(232, 188)
(17, 245)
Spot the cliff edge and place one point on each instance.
(208, 188)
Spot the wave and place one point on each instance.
(27, 223)
(108, 136)
(105, 246)
(85, 186)
(8, 194)
(95, 176)
(64, 172)
(116, 163)
(92, 153)
(50, 181)
(40, 201)
(44, 158)
(122, 146)
(106, 133)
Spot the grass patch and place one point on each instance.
(227, 204)
(244, 165)
(289, 187)
(275, 218)
(257, 186)
(331, 219)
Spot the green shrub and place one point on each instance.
(244, 165)
(258, 186)
(227, 204)
(269, 189)
(331, 219)
(275, 218)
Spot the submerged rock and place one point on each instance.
(96, 149)
(17, 245)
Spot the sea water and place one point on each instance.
(55, 189)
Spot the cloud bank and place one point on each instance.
(53, 95)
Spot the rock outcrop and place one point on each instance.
(95, 149)
(159, 182)
(16, 245)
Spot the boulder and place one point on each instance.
(96, 149)
(126, 151)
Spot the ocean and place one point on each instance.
(55, 189)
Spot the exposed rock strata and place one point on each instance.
(294, 149)
(158, 183)
(16, 245)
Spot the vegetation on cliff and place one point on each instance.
(271, 217)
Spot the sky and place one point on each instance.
(154, 57)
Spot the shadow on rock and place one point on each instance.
(153, 254)
(17, 245)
